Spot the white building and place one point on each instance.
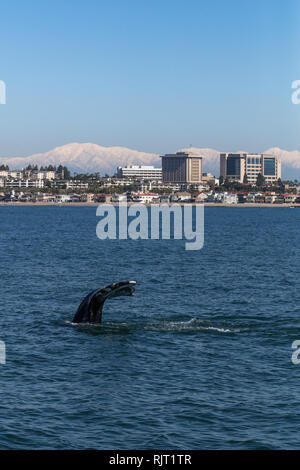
(266, 165)
(15, 174)
(145, 198)
(44, 174)
(229, 198)
(24, 183)
(116, 198)
(74, 184)
(142, 172)
(61, 198)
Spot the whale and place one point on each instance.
(90, 309)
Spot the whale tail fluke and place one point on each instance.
(90, 309)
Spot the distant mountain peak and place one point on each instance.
(86, 157)
(89, 157)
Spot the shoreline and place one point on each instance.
(96, 204)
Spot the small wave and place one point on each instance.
(222, 330)
(192, 325)
(187, 326)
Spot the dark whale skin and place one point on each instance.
(90, 309)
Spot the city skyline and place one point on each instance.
(153, 77)
(88, 157)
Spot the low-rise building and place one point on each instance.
(90, 197)
(103, 198)
(279, 199)
(182, 196)
(116, 198)
(44, 174)
(15, 174)
(164, 198)
(289, 198)
(24, 183)
(270, 198)
(200, 198)
(260, 199)
(62, 198)
(139, 172)
(250, 198)
(230, 198)
(76, 184)
(145, 198)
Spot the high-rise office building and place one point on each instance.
(234, 167)
(181, 167)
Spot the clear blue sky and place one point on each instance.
(154, 76)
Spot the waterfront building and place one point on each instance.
(229, 198)
(289, 198)
(181, 167)
(24, 183)
(270, 198)
(260, 198)
(144, 198)
(61, 198)
(116, 198)
(235, 166)
(139, 172)
(181, 196)
(250, 198)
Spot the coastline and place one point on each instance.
(95, 204)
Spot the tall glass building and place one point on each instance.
(236, 166)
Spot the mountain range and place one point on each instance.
(87, 157)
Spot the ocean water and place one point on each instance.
(199, 358)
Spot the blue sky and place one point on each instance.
(154, 76)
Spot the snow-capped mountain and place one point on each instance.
(290, 160)
(87, 157)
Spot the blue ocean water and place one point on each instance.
(200, 358)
